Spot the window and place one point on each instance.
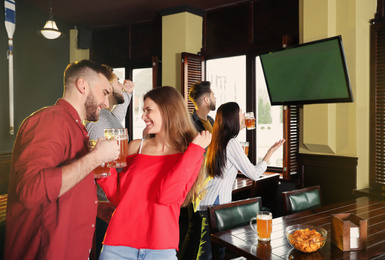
(121, 74)
(228, 82)
(269, 120)
(143, 83)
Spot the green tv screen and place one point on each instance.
(309, 73)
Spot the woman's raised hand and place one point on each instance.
(276, 145)
(272, 149)
(203, 139)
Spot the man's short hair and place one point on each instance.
(198, 90)
(85, 69)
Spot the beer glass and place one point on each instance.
(120, 135)
(250, 120)
(102, 170)
(264, 225)
(245, 147)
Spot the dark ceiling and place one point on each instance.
(105, 13)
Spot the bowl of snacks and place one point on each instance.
(306, 238)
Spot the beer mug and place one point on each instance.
(250, 120)
(101, 171)
(121, 135)
(245, 147)
(264, 225)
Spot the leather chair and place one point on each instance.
(234, 214)
(267, 189)
(231, 215)
(302, 199)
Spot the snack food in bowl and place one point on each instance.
(306, 238)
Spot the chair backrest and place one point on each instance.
(267, 189)
(233, 214)
(301, 199)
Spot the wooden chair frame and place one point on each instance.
(267, 189)
(286, 197)
(211, 210)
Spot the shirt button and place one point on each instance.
(93, 225)
(96, 202)
(77, 120)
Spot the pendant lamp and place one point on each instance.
(50, 30)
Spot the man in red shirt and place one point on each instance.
(52, 198)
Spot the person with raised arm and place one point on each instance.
(163, 173)
(225, 158)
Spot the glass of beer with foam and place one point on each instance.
(245, 147)
(264, 225)
(250, 120)
(120, 135)
(102, 170)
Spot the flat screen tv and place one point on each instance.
(309, 73)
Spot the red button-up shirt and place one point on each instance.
(41, 225)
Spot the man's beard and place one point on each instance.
(212, 105)
(118, 97)
(91, 108)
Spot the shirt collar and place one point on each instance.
(70, 109)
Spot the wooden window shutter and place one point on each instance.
(291, 121)
(377, 105)
(156, 72)
(192, 71)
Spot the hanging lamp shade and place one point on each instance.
(50, 30)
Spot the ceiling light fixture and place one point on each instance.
(50, 30)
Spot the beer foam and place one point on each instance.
(264, 217)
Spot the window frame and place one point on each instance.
(156, 65)
(377, 105)
(291, 113)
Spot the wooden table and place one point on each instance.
(243, 183)
(244, 242)
(265, 187)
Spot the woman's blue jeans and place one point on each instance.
(129, 253)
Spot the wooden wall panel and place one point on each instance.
(335, 174)
(257, 26)
(146, 39)
(5, 167)
(129, 46)
(228, 28)
(274, 19)
(111, 46)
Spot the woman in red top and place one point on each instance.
(161, 175)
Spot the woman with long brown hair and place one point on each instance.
(161, 176)
(224, 159)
